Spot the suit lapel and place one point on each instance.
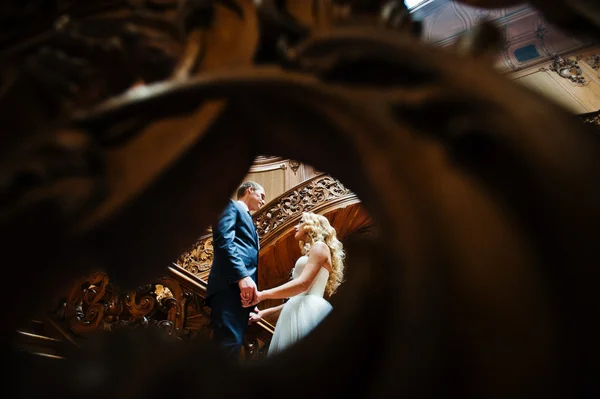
(254, 230)
(250, 221)
(256, 234)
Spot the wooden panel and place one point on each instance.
(545, 84)
(295, 176)
(273, 181)
(588, 95)
(578, 99)
(281, 177)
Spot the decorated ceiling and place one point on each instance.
(529, 38)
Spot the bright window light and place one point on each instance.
(412, 3)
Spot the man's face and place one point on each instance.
(257, 198)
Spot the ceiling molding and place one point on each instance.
(265, 163)
(529, 39)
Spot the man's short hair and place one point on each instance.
(245, 186)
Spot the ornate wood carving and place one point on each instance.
(308, 195)
(568, 69)
(593, 61)
(94, 303)
(199, 258)
(84, 309)
(294, 165)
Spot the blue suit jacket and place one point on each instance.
(236, 246)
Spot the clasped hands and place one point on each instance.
(250, 299)
(249, 293)
(250, 296)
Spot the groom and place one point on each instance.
(234, 268)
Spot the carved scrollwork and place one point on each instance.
(95, 304)
(294, 165)
(84, 310)
(162, 292)
(568, 68)
(140, 305)
(593, 61)
(307, 196)
(199, 258)
(173, 303)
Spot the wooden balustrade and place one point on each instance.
(95, 303)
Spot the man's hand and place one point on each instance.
(255, 300)
(247, 290)
(251, 300)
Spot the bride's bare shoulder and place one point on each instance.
(319, 249)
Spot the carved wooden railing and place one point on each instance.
(316, 195)
(199, 259)
(173, 304)
(95, 303)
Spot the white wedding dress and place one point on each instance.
(301, 313)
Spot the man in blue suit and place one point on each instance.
(233, 273)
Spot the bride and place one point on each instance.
(319, 270)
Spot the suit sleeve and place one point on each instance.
(223, 238)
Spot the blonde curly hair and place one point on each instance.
(317, 228)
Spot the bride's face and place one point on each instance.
(300, 233)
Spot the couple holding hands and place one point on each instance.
(232, 293)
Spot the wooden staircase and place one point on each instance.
(175, 303)
(275, 224)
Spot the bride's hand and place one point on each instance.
(255, 317)
(256, 299)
